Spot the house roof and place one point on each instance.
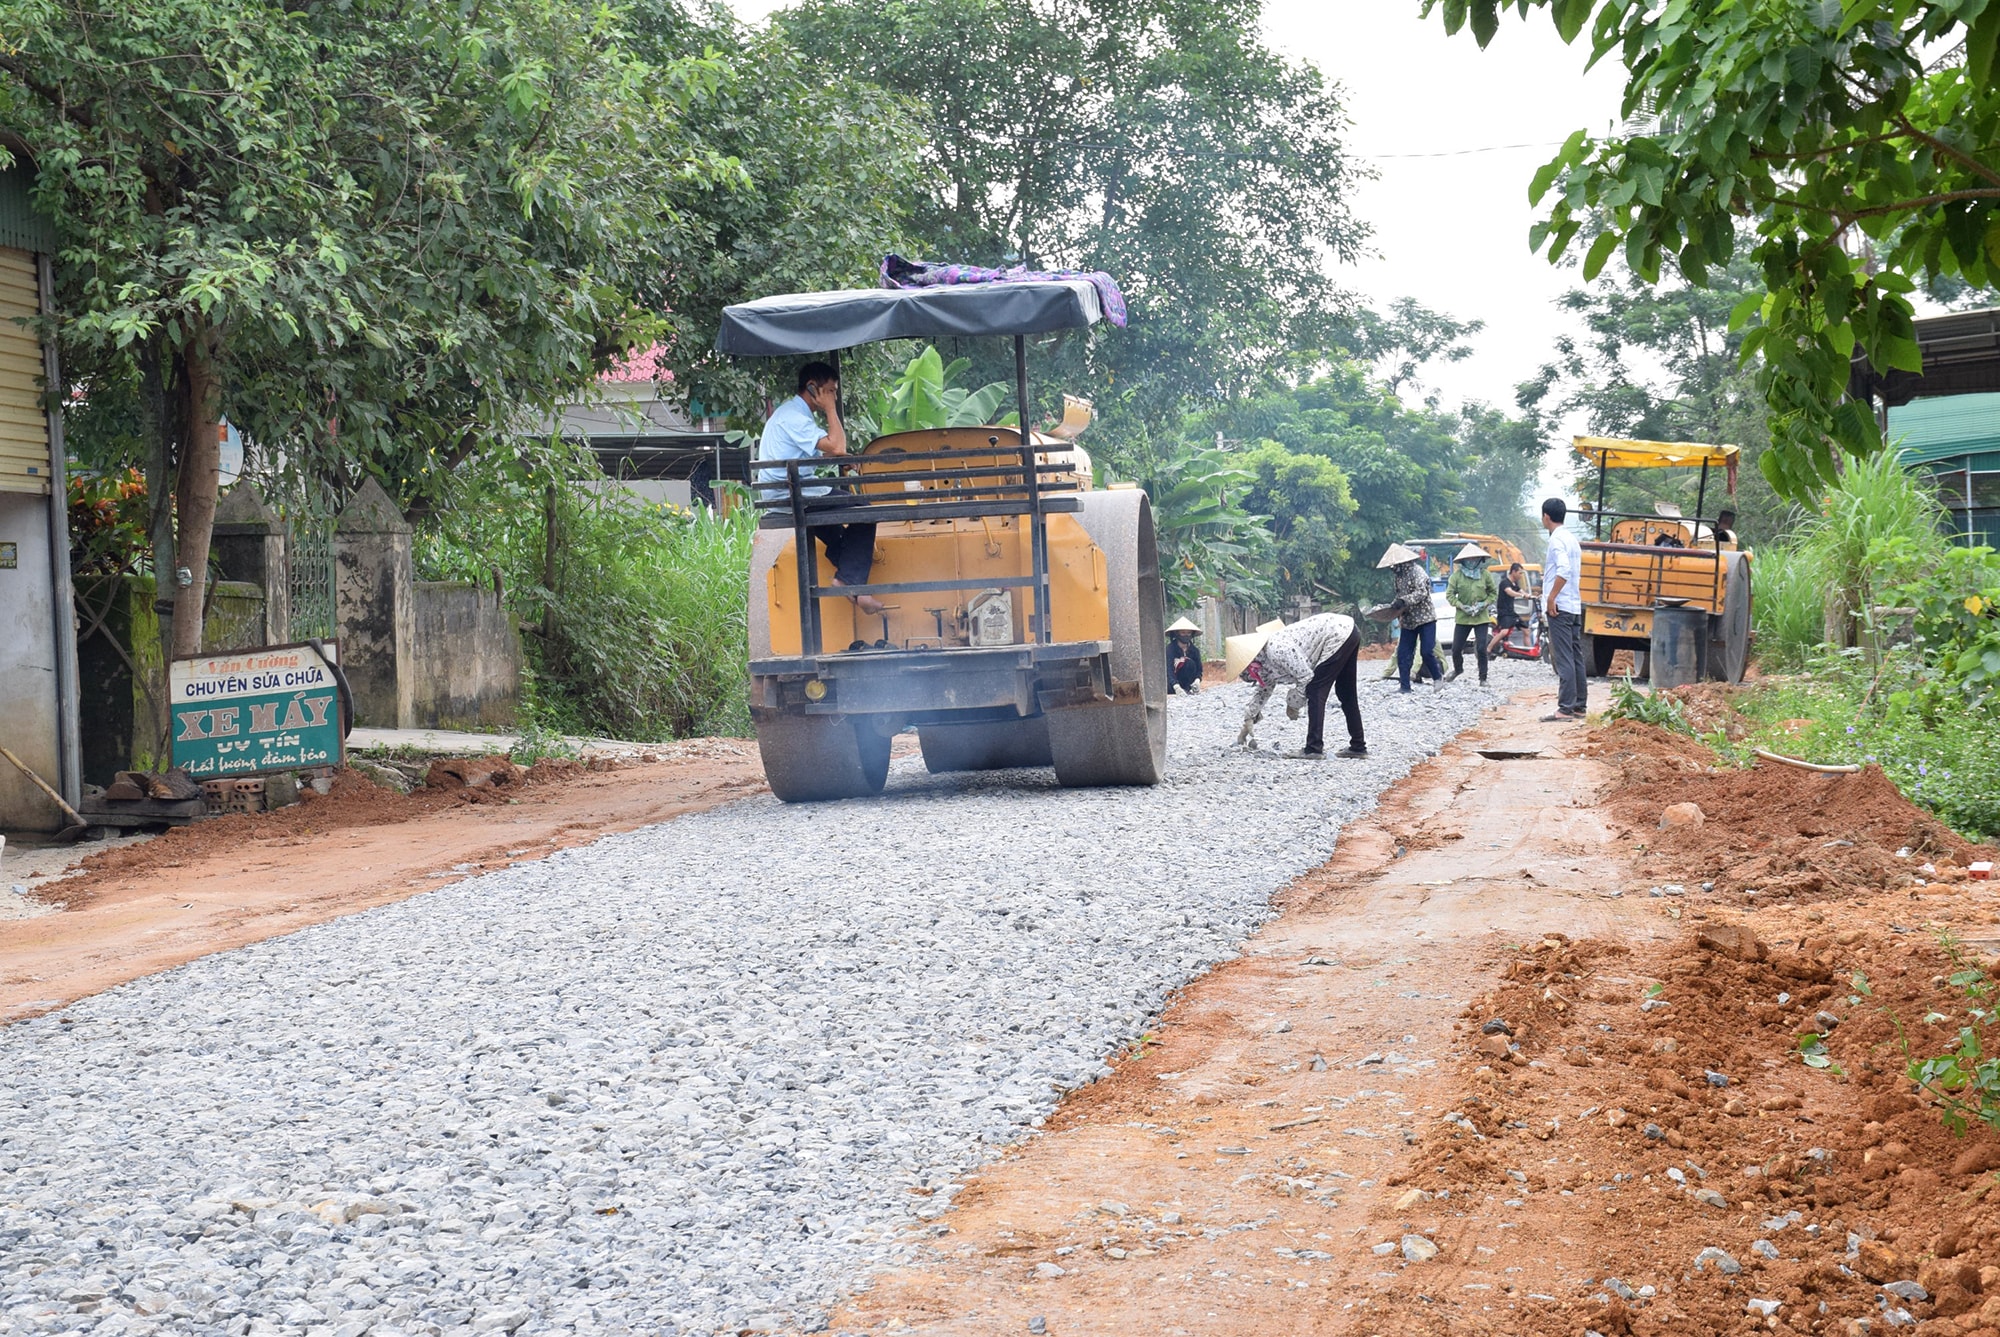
(1947, 430)
(1961, 356)
(645, 365)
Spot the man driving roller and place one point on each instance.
(793, 433)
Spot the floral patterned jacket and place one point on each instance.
(1413, 587)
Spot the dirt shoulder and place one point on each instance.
(1228, 1176)
(1479, 1078)
(235, 880)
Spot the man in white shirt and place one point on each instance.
(1312, 657)
(1562, 576)
(792, 433)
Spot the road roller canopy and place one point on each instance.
(1614, 452)
(796, 324)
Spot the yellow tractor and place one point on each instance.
(1023, 618)
(1636, 565)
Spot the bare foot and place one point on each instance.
(867, 603)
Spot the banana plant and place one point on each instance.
(927, 395)
(1209, 543)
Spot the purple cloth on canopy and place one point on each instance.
(900, 273)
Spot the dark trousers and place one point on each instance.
(1406, 652)
(1566, 645)
(1336, 673)
(1477, 635)
(1186, 673)
(851, 549)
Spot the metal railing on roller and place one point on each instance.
(951, 489)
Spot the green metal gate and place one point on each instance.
(308, 508)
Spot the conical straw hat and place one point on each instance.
(1396, 555)
(1470, 551)
(1238, 651)
(1183, 625)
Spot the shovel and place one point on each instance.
(77, 825)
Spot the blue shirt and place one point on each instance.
(791, 434)
(1565, 559)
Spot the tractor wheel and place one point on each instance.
(984, 747)
(1123, 743)
(812, 758)
(1729, 644)
(1597, 655)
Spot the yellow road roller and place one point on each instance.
(1636, 564)
(1023, 614)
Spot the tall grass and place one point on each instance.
(646, 636)
(641, 632)
(1815, 592)
(1790, 608)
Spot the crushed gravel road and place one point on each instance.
(696, 1078)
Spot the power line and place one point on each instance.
(1460, 153)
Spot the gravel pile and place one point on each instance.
(696, 1078)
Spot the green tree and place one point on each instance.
(1410, 336)
(832, 171)
(1403, 468)
(928, 394)
(360, 230)
(1660, 363)
(1308, 503)
(1861, 138)
(1500, 456)
(1209, 542)
(1163, 142)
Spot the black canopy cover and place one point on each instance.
(823, 322)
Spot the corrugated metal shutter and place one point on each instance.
(1945, 428)
(20, 226)
(24, 426)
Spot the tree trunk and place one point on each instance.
(550, 547)
(195, 486)
(157, 430)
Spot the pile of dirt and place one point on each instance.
(353, 801)
(1773, 830)
(1649, 1107)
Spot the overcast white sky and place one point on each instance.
(1450, 229)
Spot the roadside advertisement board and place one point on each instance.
(248, 712)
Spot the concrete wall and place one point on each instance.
(28, 693)
(1220, 619)
(465, 658)
(373, 608)
(425, 655)
(655, 491)
(249, 545)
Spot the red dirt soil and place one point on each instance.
(1569, 1174)
(1778, 830)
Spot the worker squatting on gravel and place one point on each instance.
(1183, 657)
(1311, 656)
